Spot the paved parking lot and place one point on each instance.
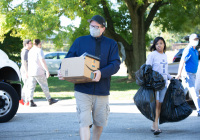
(59, 122)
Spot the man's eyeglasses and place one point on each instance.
(96, 27)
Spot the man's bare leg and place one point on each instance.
(84, 133)
(97, 130)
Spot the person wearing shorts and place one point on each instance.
(187, 69)
(160, 95)
(158, 60)
(99, 106)
(92, 98)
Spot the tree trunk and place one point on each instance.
(136, 57)
(129, 64)
(140, 23)
(136, 52)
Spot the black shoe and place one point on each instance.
(32, 104)
(157, 132)
(90, 126)
(52, 101)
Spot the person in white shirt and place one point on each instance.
(38, 72)
(158, 60)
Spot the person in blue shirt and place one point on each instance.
(188, 68)
(93, 96)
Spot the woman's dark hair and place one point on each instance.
(153, 47)
(36, 42)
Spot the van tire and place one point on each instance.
(9, 102)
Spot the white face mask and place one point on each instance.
(94, 32)
(194, 43)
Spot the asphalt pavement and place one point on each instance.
(59, 122)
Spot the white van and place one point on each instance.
(10, 89)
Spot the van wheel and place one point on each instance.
(9, 102)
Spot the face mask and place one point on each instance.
(194, 43)
(94, 32)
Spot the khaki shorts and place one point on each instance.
(98, 105)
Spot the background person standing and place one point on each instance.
(38, 72)
(188, 68)
(24, 69)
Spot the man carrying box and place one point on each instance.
(93, 96)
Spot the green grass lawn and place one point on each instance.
(120, 89)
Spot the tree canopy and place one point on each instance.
(12, 46)
(128, 21)
(41, 18)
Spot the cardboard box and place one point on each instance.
(79, 69)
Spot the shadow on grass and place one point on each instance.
(118, 83)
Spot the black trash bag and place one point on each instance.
(158, 81)
(174, 107)
(149, 78)
(179, 95)
(145, 102)
(140, 76)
